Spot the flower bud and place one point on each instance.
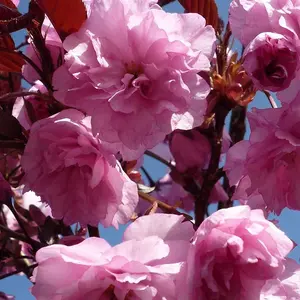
(271, 60)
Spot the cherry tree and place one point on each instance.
(97, 86)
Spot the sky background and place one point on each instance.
(289, 221)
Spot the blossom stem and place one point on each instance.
(17, 271)
(12, 96)
(271, 99)
(212, 175)
(165, 207)
(157, 157)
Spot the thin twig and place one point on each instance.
(18, 271)
(160, 159)
(13, 172)
(11, 96)
(150, 179)
(23, 44)
(271, 100)
(165, 207)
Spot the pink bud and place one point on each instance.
(271, 60)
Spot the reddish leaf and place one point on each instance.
(10, 61)
(7, 13)
(7, 42)
(8, 3)
(8, 82)
(207, 8)
(66, 16)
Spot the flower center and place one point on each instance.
(139, 79)
(134, 69)
(275, 71)
(109, 293)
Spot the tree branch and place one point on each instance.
(12, 96)
(157, 157)
(165, 207)
(211, 176)
(18, 271)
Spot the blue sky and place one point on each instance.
(289, 220)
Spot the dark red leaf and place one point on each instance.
(10, 61)
(66, 16)
(9, 126)
(7, 13)
(8, 3)
(207, 8)
(9, 82)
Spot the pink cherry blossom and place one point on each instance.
(53, 44)
(71, 171)
(271, 60)
(273, 16)
(286, 287)
(288, 95)
(235, 170)
(272, 157)
(143, 266)
(235, 162)
(234, 253)
(142, 81)
(226, 141)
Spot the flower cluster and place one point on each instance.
(124, 125)
(235, 253)
(143, 81)
(271, 55)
